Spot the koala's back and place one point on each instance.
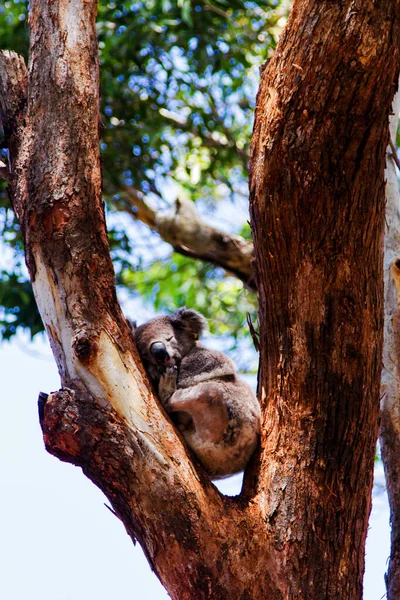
(202, 364)
(225, 414)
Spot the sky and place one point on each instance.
(58, 541)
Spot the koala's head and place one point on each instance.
(166, 340)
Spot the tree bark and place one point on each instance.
(317, 212)
(188, 234)
(105, 419)
(317, 199)
(389, 433)
(13, 97)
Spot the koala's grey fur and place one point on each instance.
(216, 412)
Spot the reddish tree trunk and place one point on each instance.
(317, 206)
(317, 199)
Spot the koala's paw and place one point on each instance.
(167, 384)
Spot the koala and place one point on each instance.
(217, 413)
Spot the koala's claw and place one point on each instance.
(167, 383)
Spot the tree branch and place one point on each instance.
(182, 228)
(13, 90)
(389, 434)
(394, 153)
(189, 235)
(176, 514)
(106, 418)
(135, 204)
(13, 94)
(308, 495)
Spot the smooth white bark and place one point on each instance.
(391, 356)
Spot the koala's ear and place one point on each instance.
(132, 325)
(188, 319)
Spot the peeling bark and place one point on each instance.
(13, 94)
(389, 433)
(298, 529)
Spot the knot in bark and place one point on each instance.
(84, 346)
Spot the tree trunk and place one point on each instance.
(317, 199)
(317, 209)
(389, 433)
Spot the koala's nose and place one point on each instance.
(159, 351)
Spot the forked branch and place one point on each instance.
(105, 418)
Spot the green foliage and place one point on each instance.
(177, 99)
(18, 308)
(182, 281)
(178, 85)
(14, 26)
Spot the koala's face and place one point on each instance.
(164, 341)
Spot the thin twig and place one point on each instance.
(254, 334)
(216, 10)
(394, 153)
